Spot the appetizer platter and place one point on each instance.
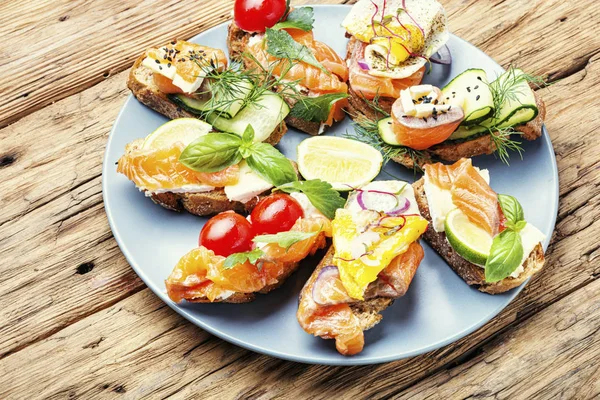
(350, 173)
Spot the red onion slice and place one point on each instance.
(443, 56)
(363, 64)
(328, 288)
(401, 203)
(402, 207)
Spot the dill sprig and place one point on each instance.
(504, 143)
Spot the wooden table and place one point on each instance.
(76, 321)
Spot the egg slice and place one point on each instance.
(394, 32)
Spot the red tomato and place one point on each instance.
(227, 233)
(258, 15)
(275, 213)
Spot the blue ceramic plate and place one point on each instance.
(438, 309)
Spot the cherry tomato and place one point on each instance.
(258, 15)
(275, 213)
(227, 233)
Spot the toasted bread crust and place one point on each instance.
(471, 273)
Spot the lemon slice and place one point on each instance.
(184, 130)
(469, 240)
(344, 163)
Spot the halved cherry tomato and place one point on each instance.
(258, 15)
(275, 213)
(227, 233)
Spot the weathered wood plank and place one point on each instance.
(60, 48)
(553, 355)
(174, 354)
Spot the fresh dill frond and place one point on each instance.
(504, 143)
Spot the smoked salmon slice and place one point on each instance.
(160, 169)
(470, 192)
(325, 309)
(200, 273)
(370, 86)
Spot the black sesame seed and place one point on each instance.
(158, 62)
(468, 89)
(453, 92)
(476, 87)
(477, 98)
(435, 102)
(424, 119)
(165, 57)
(173, 42)
(169, 65)
(159, 67)
(449, 107)
(479, 78)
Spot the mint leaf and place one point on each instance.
(505, 256)
(300, 18)
(284, 239)
(270, 164)
(212, 152)
(281, 45)
(316, 109)
(240, 258)
(321, 195)
(511, 208)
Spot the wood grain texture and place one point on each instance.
(109, 340)
(77, 321)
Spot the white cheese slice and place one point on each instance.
(440, 200)
(407, 103)
(420, 90)
(530, 237)
(165, 69)
(249, 186)
(186, 86)
(184, 189)
(387, 186)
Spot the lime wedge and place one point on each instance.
(184, 130)
(469, 240)
(344, 163)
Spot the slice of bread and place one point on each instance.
(471, 273)
(237, 41)
(141, 84)
(447, 151)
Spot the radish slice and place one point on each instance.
(443, 56)
(328, 288)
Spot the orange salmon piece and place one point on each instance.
(156, 169)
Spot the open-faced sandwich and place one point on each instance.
(482, 235)
(390, 44)
(185, 166)
(308, 73)
(183, 79)
(468, 117)
(239, 257)
(373, 260)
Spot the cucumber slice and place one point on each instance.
(225, 106)
(464, 132)
(265, 114)
(519, 108)
(470, 90)
(387, 132)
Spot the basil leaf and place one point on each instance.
(316, 109)
(285, 239)
(270, 164)
(281, 45)
(212, 152)
(240, 258)
(505, 256)
(300, 18)
(321, 195)
(248, 136)
(519, 226)
(511, 208)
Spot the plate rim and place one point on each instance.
(349, 361)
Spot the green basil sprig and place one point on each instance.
(319, 193)
(300, 18)
(240, 258)
(507, 247)
(284, 239)
(217, 151)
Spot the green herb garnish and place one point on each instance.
(300, 18)
(320, 193)
(316, 109)
(284, 239)
(240, 258)
(281, 45)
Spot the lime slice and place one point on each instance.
(469, 240)
(344, 163)
(184, 130)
